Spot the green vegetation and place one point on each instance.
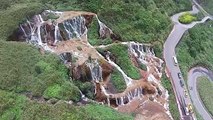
(207, 5)
(93, 35)
(50, 16)
(118, 81)
(98, 112)
(87, 88)
(142, 21)
(172, 100)
(13, 16)
(26, 78)
(187, 18)
(205, 87)
(18, 107)
(143, 67)
(199, 16)
(24, 69)
(195, 48)
(123, 59)
(65, 91)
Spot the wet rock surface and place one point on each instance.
(65, 34)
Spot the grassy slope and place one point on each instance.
(20, 75)
(144, 21)
(13, 16)
(205, 87)
(123, 60)
(15, 106)
(24, 69)
(196, 48)
(136, 20)
(118, 81)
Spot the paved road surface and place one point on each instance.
(169, 51)
(192, 82)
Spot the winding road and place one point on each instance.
(173, 70)
(193, 74)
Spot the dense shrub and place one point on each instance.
(196, 48)
(207, 5)
(138, 20)
(118, 80)
(187, 18)
(18, 107)
(87, 88)
(24, 69)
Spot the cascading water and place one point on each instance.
(96, 70)
(57, 13)
(127, 79)
(32, 32)
(103, 30)
(56, 33)
(140, 51)
(66, 57)
(44, 33)
(75, 27)
(135, 93)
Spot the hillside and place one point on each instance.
(206, 4)
(196, 48)
(36, 85)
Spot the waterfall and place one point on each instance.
(96, 70)
(127, 79)
(75, 27)
(140, 51)
(56, 33)
(31, 29)
(32, 32)
(39, 35)
(38, 32)
(82, 95)
(135, 93)
(40, 19)
(108, 101)
(66, 57)
(116, 101)
(103, 28)
(122, 101)
(104, 90)
(128, 97)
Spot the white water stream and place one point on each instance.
(127, 79)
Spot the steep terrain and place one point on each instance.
(41, 79)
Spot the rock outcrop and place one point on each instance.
(65, 34)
